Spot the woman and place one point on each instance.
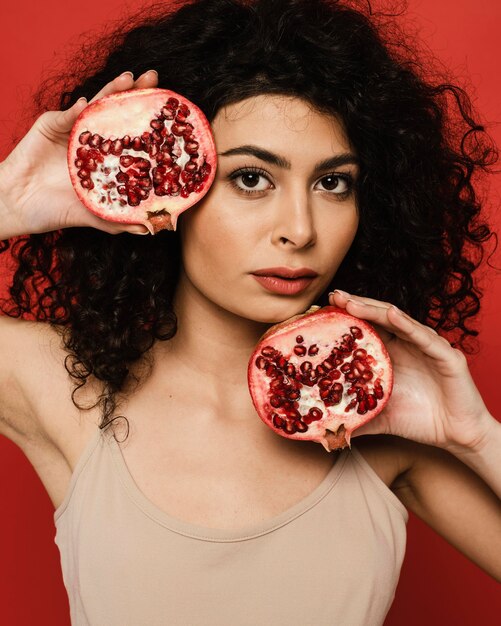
(197, 513)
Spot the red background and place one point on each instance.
(438, 585)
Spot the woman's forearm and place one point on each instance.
(485, 458)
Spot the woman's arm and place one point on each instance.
(36, 195)
(456, 496)
(450, 464)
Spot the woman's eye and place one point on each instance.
(254, 181)
(249, 181)
(337, 183)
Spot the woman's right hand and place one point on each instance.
(36, 194)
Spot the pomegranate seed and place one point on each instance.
(378, 390)
(367, 375)
(294, 394)
(137, 143)
(356, 332)
(282, 362)
(320, 370)
(87, 183)
(83, 173)
(290, 370)
(362, 407)
(289, 428)
(126, 141)
(278, 422)
(351, 405)
(271, 370)
(301, 426)
(95, 141)
(299, 350)
(324, 393)
(268, 351)
(276, 401)
(116, 147)
(371, 402)
(324, 383)
(173, 102)
(157, 124)
(84, 137)
(276, 383)
(190, 147)
(177, 129)
(142, 164)
(305, 367)
(126, 161)
(167, 113)
(313, 349)
(360, 353)
(299, 339)
(133, 198)
(316, 413)
(346, 367)
(105, 147)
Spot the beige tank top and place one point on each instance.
(334, 558)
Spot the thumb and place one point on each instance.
(61, 122)
(371, 428)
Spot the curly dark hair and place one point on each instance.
(420, 236)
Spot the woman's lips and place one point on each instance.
(286, 286)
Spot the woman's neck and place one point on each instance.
(210, 340)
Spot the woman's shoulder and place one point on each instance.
(390, 457)
(35, 387)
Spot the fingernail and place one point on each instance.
(341, 293)
(152, 72)
(126, 74)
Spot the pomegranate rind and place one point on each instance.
(323, 328)
(133, 110)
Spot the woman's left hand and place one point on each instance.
(434, 399)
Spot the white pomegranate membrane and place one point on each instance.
(141, 156)
(319, 376)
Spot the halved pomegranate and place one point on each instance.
(142, 156)
(319, 376)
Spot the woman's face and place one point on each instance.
(272, 204)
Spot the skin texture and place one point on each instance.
(440, 455)
(292, 219)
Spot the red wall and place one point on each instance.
(438, 585)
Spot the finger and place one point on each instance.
(146, 80)
(423, 337)
(342, 297)
(53, 123)
(395, 321)
(120, 83)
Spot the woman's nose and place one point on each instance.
(293, 218)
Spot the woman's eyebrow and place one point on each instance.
(275, 159)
